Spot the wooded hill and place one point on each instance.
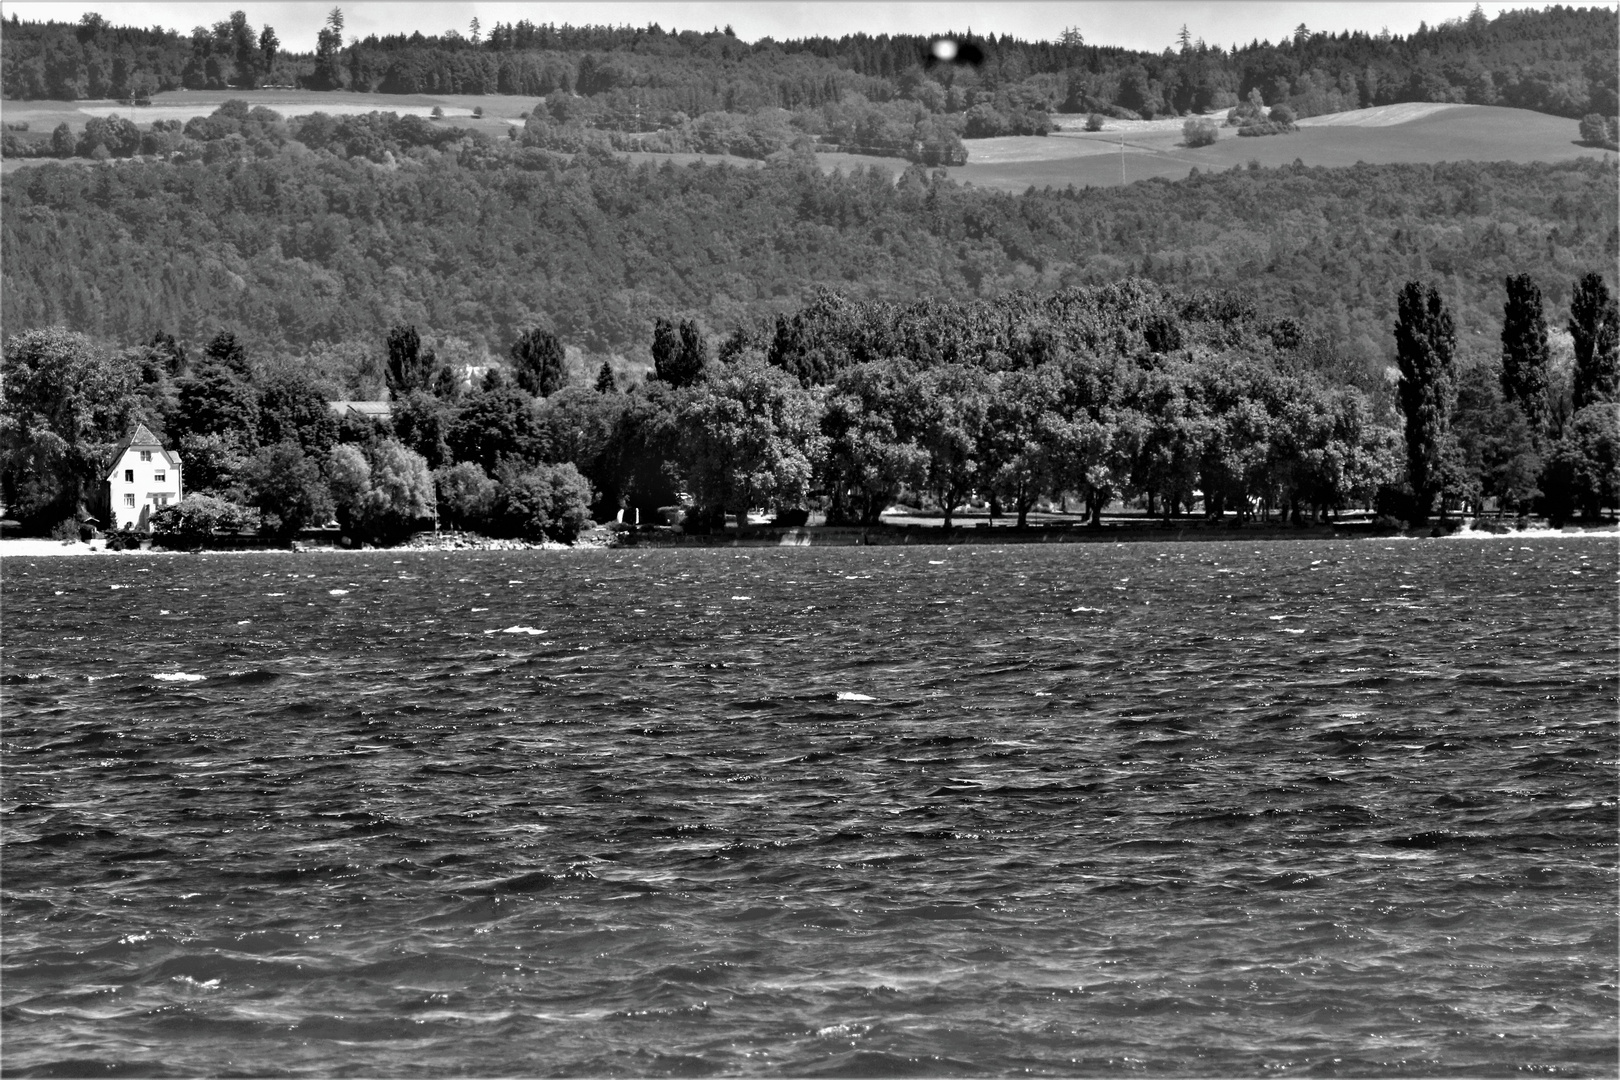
(1559, 60)
(300, 250)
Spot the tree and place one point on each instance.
(63, 143)
(539, 362)
(580, 426)
(494, 425)
(224, 349)
(1525, 354)
(466, 495)
(269, 48)
(1424, 342)
(1584, 471)
(422, 422)
(64, 405)
(328, 73)
(679, 353)
(1196, 132)
(544, 502)
(1594, 323)
(288, 489)
(606, 382)
(401, 494)
(194, 520)
(409, 367)
(1020, 426)
(950, 423)
(872, 451)
(292, 406)
(1497, 444)
(1596, 131)
(751, 438)
(215, 400)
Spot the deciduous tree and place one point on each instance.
(752, 438)
(1424, 343)
(1525, 354)
(1594, 322)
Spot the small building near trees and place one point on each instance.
(144, 478)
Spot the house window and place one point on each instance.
(146, 455)
(157, 477)
(129, 476)
(129, 501)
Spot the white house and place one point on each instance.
(144, 477)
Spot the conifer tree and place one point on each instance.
(1425, 340)
(606, 383)
(1525, 353)
(679, 353)
(409, 368)
(538, 359)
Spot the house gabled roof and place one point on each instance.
(376, 410)
(139, 439)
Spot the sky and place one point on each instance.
(1142, 24)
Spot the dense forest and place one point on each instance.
(1559, 60)
(472, 241)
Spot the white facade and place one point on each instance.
(144, 478)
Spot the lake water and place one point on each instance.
(1324, 808)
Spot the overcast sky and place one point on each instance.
(1144, 24)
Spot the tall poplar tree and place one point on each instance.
(1425, 340)
(1594, 322)
(1525, 354)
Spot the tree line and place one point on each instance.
(1557, 60)
(1121, 391)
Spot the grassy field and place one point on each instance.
(1416, 133)
(1123, 151)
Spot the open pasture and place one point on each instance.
(1415, 133)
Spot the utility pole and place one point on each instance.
(1122, 159)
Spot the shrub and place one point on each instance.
(1264, 127)
(1094, 122)
(546, 502)
(195, 518)
(438, 113)
(1198, 132)
(478, 112)
(1282, 114)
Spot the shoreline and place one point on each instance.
(836, 536)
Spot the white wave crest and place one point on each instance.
(178, 676)
(850, 695)
(531, 631)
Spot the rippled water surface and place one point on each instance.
(1326, 808)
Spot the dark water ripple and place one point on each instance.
(1213, 809)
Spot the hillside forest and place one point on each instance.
(566, 333)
